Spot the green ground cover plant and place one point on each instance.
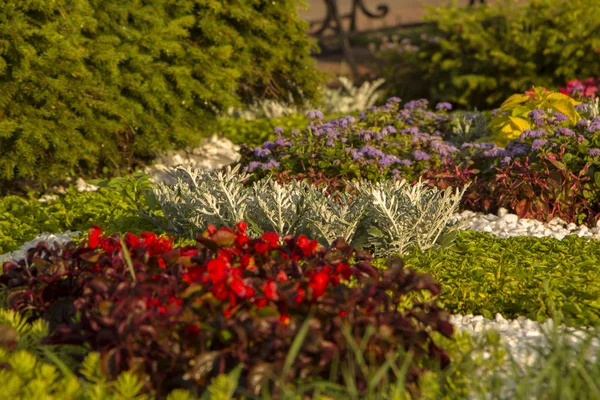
(98, 87)
(478, 57)
(520, 276)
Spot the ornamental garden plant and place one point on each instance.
(177, 317)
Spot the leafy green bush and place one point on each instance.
(478, 57)
(538, 278)
(100, 86)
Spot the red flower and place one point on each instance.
(241, 239)
(237, 286)
(261, 247)
(211, 229)
(300, 296)
(285, 319)
(307, 246)
(220, 291)
(191, 330)
(94, 239)
(108, 244)
(188, 251)
(193, 274)
(343, 313)
(282, 276)
(272, 238)
(162, 263)
(132, 241)
(318, 283)
(344, 270)
(270, 289)
(217, 270)
(242, 226)
(260, 303)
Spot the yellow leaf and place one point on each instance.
(514, 100)
(566, 108)
(519, 123)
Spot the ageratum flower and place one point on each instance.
(261, 152)
(278, 130)
(420, 155)
(252, 166)
(594, 152)
(270, 164)
(566, 131)
(443, 106)
(315, 114)
(537, 143)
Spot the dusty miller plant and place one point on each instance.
(335, 101)
(391, 216)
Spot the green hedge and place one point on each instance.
(479, 56)
(98, 87)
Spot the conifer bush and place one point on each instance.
(98, 87)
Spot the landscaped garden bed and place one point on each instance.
(384, 249)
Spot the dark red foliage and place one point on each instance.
(192, 313)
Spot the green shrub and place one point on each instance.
(480, 56)
(94, 87)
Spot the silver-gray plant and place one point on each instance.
(391, 216)
(346, 99)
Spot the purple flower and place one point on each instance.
(536, 114)
(295, 132)
(580, 107)
(530, 133)
(411, 131)
(566, 131)
(280, 141)
(594, 152)
(495, 152)
(252, 166)
(394, 100)
(580, 138)
(582, 123)
(408, 163)
(506, 160)
(594, 126)
(515, 149)
(420, 155)
(411, 105)
(330, 143)
(356, 155)
(537, 143)
(270, 164)
(261, 152)
(443, 106)
(560, 117)
(315, 114)
(268, 145)
(387, 160)
(278, 130)
(343, 140)
(371, 151)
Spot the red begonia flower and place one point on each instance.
(285, 319)
(242, 226)
(217, 270)
(272, 238)
(300, 296)
(261, 247)
(282, 276)
(307, 246)
(270, 289)
(94, 239)
(318, 283)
